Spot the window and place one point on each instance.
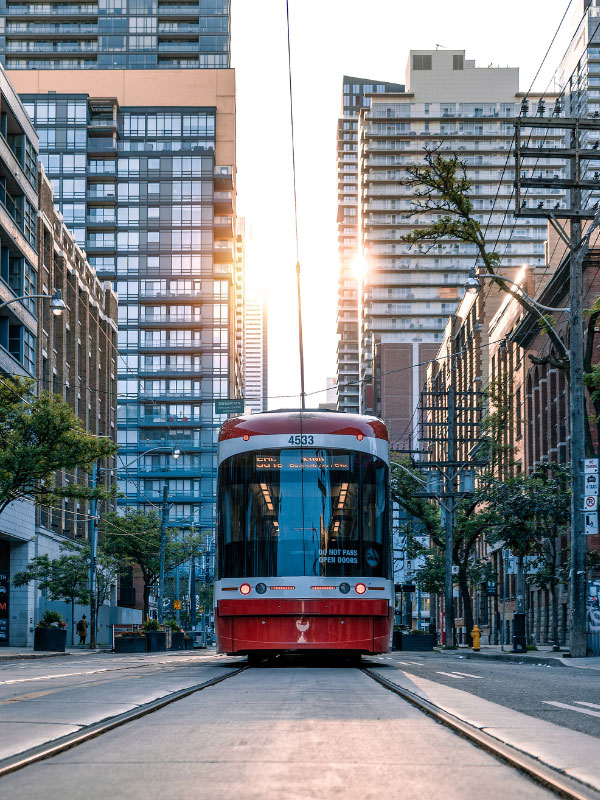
(421, 62)
(458, 62)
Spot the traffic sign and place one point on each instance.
(590, 465)
(590, 502)
(591, 524)
(229, 406)
(177, 605)
(591, 483)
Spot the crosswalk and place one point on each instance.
(587, 707)
(458, 675)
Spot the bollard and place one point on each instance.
(475, 636)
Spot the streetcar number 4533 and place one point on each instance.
(301, 439)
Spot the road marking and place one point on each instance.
(591, 705)
(572, 708)
(51, 677)
(410, 663)
(467, 674)
(451, 675)
(29, 696)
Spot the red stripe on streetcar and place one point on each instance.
(306, 423)
(330, 606)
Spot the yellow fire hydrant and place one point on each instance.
(475, 636)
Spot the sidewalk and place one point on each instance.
(543, 655)
(19, 653)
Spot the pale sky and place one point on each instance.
(329, 39)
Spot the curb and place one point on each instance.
(550, 661)
(30, 656)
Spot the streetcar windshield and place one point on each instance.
(303, 511)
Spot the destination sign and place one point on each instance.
(312, 462)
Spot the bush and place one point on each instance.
(174, 625)
(151, 625)
(52, 619)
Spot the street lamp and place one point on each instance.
(57, 304)
(473, 286)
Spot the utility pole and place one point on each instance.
(576, 155)
(163, 551)
(450, 516)
(193, 593)
(93, 553)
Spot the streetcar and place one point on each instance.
(303, 543)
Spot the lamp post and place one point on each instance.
(57, 304)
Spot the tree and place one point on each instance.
(471, 525)
(530, 514)
(39, 436)
(134, 537)
(64, 578)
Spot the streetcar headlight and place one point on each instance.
(260, 588)
(344, 588)
(245, 588)
(360, 588)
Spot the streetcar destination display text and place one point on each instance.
(302, 462)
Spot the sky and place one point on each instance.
(329, 39)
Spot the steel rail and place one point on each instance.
(550, 778)
(56, 746)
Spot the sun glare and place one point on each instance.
(360, 267)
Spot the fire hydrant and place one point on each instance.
(475, 637)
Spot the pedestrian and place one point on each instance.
(82, 628)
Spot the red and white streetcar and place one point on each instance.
(303, 556)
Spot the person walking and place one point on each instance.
(82, 629)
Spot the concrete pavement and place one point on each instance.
(571, 752)
(543, 655)
(295, 733)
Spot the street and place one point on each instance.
(294, 728)
(562, 695)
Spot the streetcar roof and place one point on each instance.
(323, 421)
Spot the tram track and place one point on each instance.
(562, 785)
(49, 749)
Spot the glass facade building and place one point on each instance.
(116, 34)
(143, 166)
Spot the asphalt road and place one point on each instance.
(566, 696)
(295, 732)
(44, 699)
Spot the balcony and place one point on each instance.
(171, 321)
(223, 227)
(102, 144)
(171, 347)
(178, 47)
(179, 11)
(223, 252)
(171, 372)
(50, 10)
(223, 178)
(223, 202)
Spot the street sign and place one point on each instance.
(177, 605)
(229, 406)
(590, 480)
(590, 502)
(590, 465)
(591, 524)
(454, 569)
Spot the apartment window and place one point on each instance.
(458, 62)
(421, 62)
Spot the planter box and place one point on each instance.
(177, 640)
(418, 642)
(189, 643)
(130, 644)
(50, 639)
(397, 640)
(157, 641)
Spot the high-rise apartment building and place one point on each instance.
(255, 353)
(353, 99)
(409, 292)
(134, 103)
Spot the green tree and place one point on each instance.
(530, 514)
(39, 436)
(64, 578)
(134, 538)
(471, 524)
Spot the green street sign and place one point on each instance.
(229, 406)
